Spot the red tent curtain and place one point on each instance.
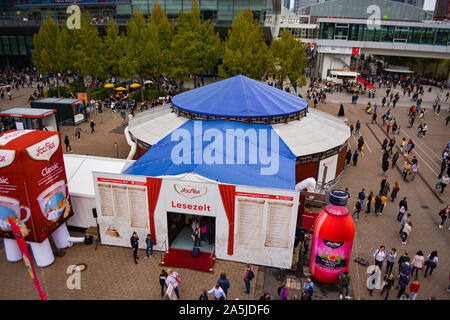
(153, 188)
(228, 193)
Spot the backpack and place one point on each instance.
(279, 290)
(250, 274)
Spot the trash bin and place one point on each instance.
(88, 239)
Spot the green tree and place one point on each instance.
(290, 59)
(245, 51)
(87, 49)
(165, 31)
(195, 47)
(51, 52)
(142, 53)
(113, 48)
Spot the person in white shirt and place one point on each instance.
(379, 256)
(219, 294)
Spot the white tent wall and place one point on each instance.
(82, 207)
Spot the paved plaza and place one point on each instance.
(112, 274)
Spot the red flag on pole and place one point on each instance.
(26, 256)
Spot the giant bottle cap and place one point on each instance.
(339, 197)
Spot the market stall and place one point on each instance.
(68, 111)
(27, 118)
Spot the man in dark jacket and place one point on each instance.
(135, 246)
(149, 243)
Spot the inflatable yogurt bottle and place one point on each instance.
(332, 240)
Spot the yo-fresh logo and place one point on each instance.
(6, 157)
(45, 149)
(190, 191)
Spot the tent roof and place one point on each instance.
(159, 160)
(79, 170)
(239, 96)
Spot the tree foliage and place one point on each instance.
(245, 51)
(290, 59)
(113, 48)
(195, 47)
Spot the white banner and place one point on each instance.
(335, 50)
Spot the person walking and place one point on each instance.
(361, 197)
(382, 183)
(414, 289)
(249, 274)
(445, 180)
(444, 215)
(431, 263)
(374, 117)
(357, 211)
(351, 129)
(358, 126)
(417, 263)
(224, 283)
(406, 231)
(386, 188)
(390, 260)
(403, 207)
(355, 157)
(135, 246)
(383, 199)
(92, 126)
(403, 282)
(403, 221)
(385, 166)
(149, 249)
(395, 158)
(284, 292)
(369, 201)
(403, 263)
(348, 157)
(78, 132)
(389, 281)
(414, 169)
(344, 284)
(377, 205)
(162, 281)
(67, 143)
(196, 236)
(203, 295)
(395, 190)
(173, 279)
(360, 144)
(379, 256)
(219, 294)
(309, 286)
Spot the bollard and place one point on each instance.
(116, 149)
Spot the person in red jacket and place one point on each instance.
(414, 288)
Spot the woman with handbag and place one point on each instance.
(173, 279)
(388, 284)
(417, 263)
(431, 262)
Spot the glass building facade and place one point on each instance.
(424, 35)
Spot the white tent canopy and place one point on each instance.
(79, 170)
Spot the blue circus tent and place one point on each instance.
(217, 151)
(239, 96)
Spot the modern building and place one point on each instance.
(442, 10)
(20, 19)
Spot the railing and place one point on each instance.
(211, 257)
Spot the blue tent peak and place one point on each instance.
(239, 96)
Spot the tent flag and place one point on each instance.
(26, 256)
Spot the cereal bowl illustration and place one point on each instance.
(10, 207)
(53, 201)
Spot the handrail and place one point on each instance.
(164, 245)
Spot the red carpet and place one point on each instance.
(184, 259)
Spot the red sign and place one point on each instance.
(26, 256)
(193, 207)
(264, 196)
(33, 184)
(355, 50)
(135, 183)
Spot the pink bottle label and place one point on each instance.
(331, 257)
